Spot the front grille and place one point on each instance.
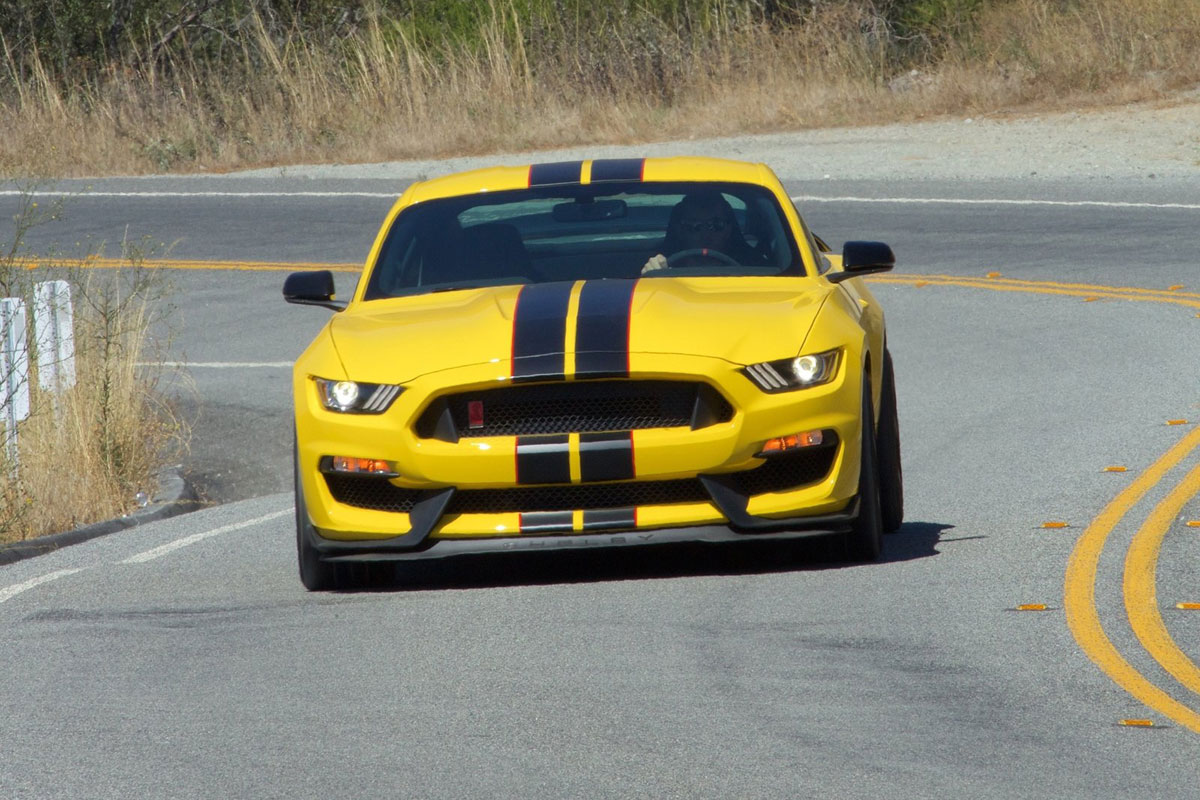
(778, 474)
(578, 407)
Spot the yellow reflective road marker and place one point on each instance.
(1056, 524)
(1175, 288)
(1177, 422)
(1193, 523)
(1033, 607)
(1079, 590)
(994, 275)
(1115, 468)
(1188, 606)
(1138, 723)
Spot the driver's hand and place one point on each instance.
(655, 263)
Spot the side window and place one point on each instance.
(396, 261)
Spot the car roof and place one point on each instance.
(506, 178)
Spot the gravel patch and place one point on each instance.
(1143, 142)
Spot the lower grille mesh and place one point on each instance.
(577, 497)
(778, 474)
(785, 472)
(364, 491)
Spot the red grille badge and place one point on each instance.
(475, 414)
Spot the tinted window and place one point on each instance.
(575, 232)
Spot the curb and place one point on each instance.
(172, 497)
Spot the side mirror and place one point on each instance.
(311, 289)
(863, 258)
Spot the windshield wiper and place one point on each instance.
(453, 289)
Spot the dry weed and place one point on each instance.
(379, 95)
(88, 451)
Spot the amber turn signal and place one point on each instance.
(368, 466)
(793, 441)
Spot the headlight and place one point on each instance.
(350, 397)
(801, 372)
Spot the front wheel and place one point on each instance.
(891, 478)
(315, 574)
(865, 541)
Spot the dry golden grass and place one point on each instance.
(86, 452)
(378, 96)
(1101, 52)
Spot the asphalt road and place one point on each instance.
(183, 658)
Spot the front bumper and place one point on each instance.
(706, 461)
(406, 548)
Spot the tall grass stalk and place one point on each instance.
(86, 452)
(619, 72)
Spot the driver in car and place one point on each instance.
(703, 231)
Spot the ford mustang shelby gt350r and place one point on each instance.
(600, 353)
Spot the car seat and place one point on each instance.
(491, 250)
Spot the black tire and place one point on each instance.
(865, 541)
(315, 574)
(891, 478)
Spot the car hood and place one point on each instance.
(740, 320)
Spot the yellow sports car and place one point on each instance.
(603, 353)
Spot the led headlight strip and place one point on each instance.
(788, 374)
(349, 397)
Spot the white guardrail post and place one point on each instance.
(53, 332)
(14, 374)
(53, 335)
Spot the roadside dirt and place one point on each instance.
(1146, 141)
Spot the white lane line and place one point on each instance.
(218, 364)
(86, 194)
(810, 198)
(12, 591)
(170, 547)
(805, 198)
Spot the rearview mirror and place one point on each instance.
(863, 258)
(586, 210)
(311, 289)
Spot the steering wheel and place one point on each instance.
(700, 252)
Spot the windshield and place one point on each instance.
(584, 232)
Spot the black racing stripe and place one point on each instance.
(602, 330)
(543, 459)
(606, 456)
(539, 331)
(547, 521)
(617, 169)
(557, 172)
(607, 519)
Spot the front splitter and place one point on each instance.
(363, 551)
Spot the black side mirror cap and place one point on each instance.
(311, 289)
(863, 258)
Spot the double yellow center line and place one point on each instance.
(1087, 291)
(1141, 601)
(1141, 560)
(1079, 601)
